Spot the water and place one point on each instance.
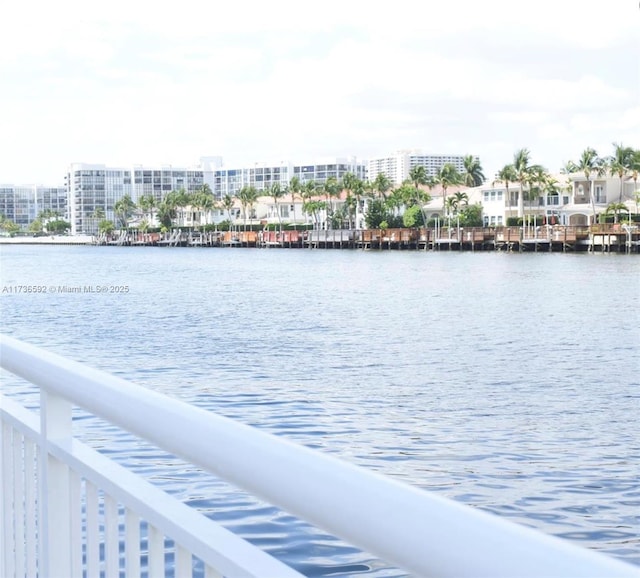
(509, 382)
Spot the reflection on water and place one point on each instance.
(507, 382)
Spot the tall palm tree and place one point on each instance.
(418, 176)
(332, 189)
(147, 203)
(446, 177)
(537, 177)
(227, 205)
(473, 175)
(123, 209)
(591, 165)
(276, 192)
(382, 184)
(521, 168)
(506, 175)
(295, 188)
(248, 195)
(620, 163)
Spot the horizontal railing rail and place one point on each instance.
(420, 532)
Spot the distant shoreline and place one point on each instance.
(49, 240)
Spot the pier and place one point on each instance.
(612, 238)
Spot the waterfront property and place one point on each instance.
(533, 238)
(94, 516)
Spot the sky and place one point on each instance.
(165, 83)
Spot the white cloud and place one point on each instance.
(150, 83)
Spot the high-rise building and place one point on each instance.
(94, 189)
(262, 175)
(398, 165)
(22, 204)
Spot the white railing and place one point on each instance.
(68, 510)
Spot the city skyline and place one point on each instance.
(268, 83)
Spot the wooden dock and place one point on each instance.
(613, 238)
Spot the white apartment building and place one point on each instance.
(398, 165)
(95, 188)
(228, 181)
(23, 203)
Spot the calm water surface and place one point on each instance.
(505, 381)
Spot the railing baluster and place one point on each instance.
(75, 523)
(8, 512)
(111, 555)
(132, 544)
(92, 530)
(18, 502)
(55, 425)
(183, 562)
(31, 499)
(156, 552)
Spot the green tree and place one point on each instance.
(377, 213)
(473, 175)
(227, 205)
(247, 195)
(147, 204)
(620, 163)
(418, 176)
(447, 176)
(123, 209)
(276, 192)
(471, 216)
(615, 209)
(332, 189)
(591, 165)
(521, 167)
(35, 226)
(381, 185)
(106, 227)
(413, 217)
(58, 226)
(506, 175)
(295, 189)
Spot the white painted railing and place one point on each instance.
(69, 511)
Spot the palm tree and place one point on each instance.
(635, 171)
(418, 176)
(473, 175)
(332, 189)
(590, 164)
(382, 184)
(227, 205)
(123, 209)
(537, 177)
(615, 209)
(277, 192)
(506, 175)
(147, 203)
(620, 163)
(295, 188)
(248, 196)
(207, 204)
(521, 168)
(446, 177)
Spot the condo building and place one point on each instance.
(23, 203)
(397, 166)
(94, 189)
(228, 181)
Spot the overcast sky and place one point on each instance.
(140, 82)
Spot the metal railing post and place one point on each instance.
(55, 494)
